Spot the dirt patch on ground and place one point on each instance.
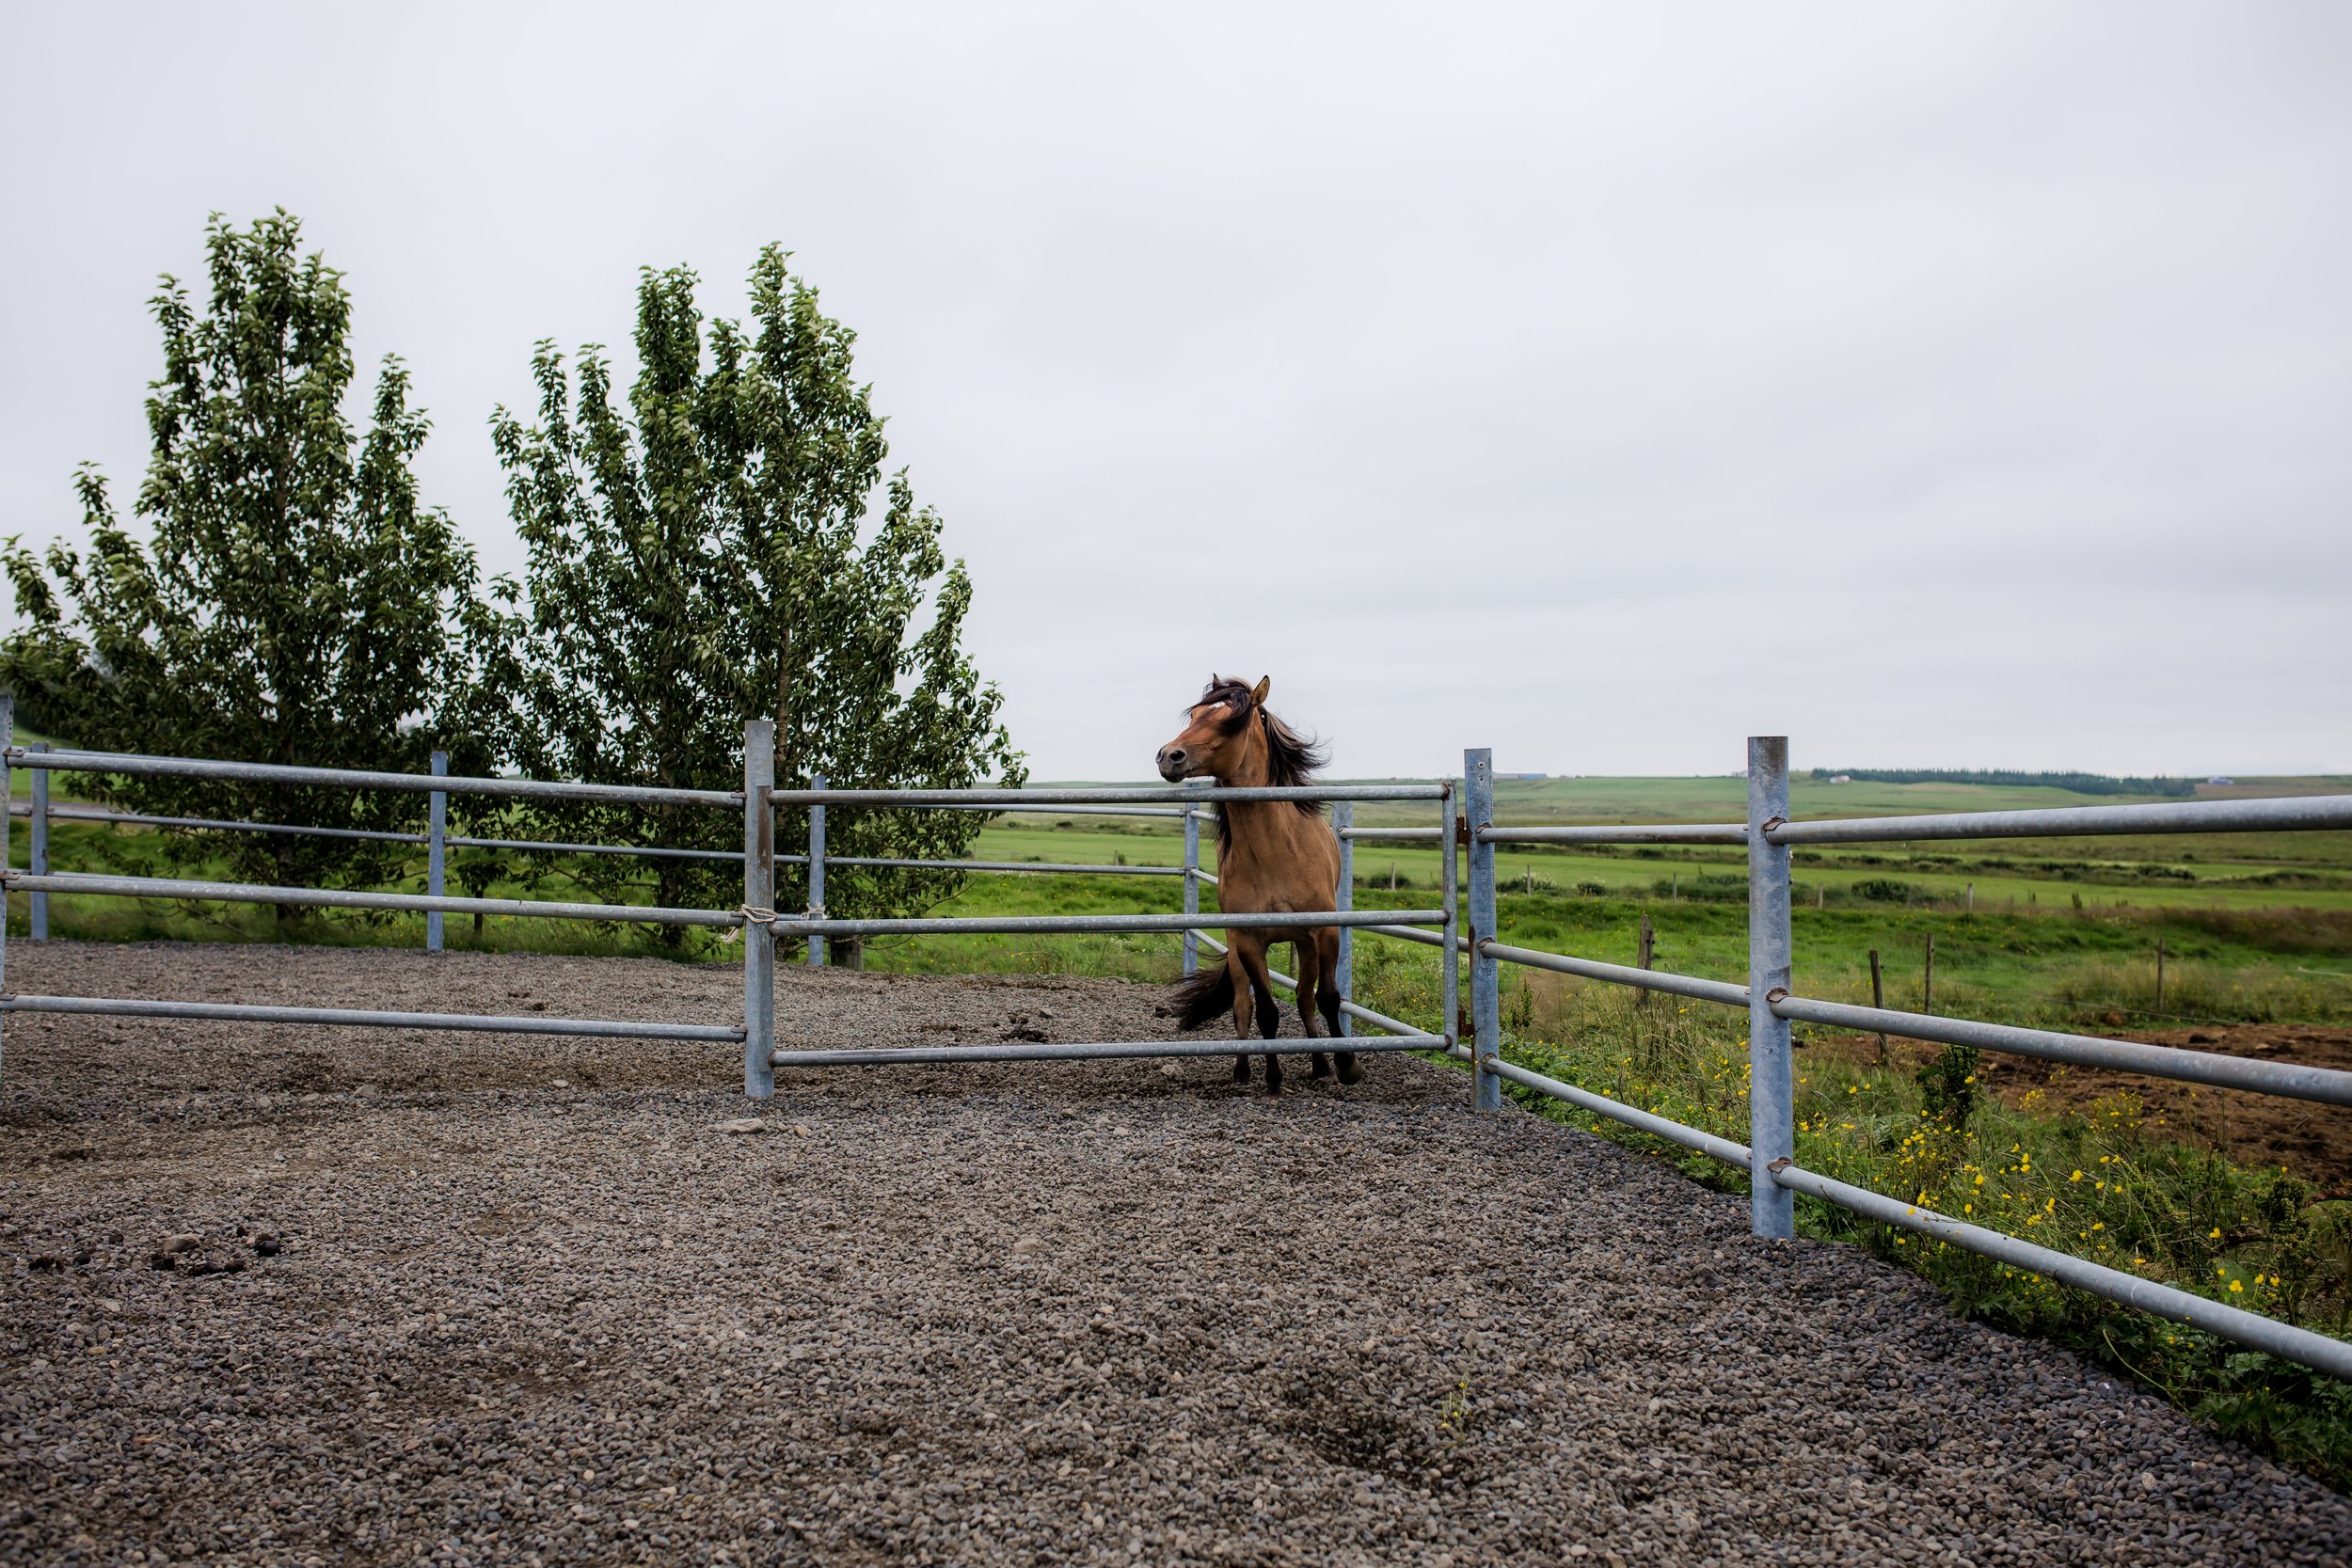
(474, 1299)
(2313, 1140)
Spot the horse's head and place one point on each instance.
(1217, 728)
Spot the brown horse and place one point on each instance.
(1271, 856)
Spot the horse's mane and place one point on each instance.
(1291, 757)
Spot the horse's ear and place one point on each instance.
(1265, 684)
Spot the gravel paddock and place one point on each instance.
(460, 1299)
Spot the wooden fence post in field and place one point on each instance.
(1878, 999)
(1926, 979)
(1972, 897)
(2159, 974)
(1647, 950)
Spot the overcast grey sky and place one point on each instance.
(1964, 386)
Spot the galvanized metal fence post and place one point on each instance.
(39, 867)
(1192, 888)
(1771, 1090)
(1343, 818)
(816, 873)
(8, 794)
(436, 850)
(1478, 804)
(759, 897)
(1450, 961)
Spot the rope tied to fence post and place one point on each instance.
(752, 915)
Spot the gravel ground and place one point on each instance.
(528, 1303)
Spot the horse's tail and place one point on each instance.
(1207, 995)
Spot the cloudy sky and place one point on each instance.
(1964, 386)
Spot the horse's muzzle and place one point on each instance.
(1175, 764)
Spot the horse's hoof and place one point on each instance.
(1351, 1070)
(1240, 1070)
(1321, 1068)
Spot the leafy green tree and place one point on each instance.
(706, 557)
(292, 603)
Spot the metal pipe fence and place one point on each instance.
(1770, 1154)
(757, 801)
(1768, 995)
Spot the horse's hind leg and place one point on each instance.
(1328, 998)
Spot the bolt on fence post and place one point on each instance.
(436, 850)
(1192, 888)
(1343, 818)
(1771, 1090)
(816, 873)
(39, 925)
(1478, 804)
(1450, 962)
(759, 893)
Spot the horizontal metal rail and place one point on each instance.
(990, 799)
(1409, 933)
(1430, 833)
(601, 1028)
(1618, 1110)
(1026, 866)
(458, 840)
(1025, 925)
(914, 1055)
(344, 778)
(92, 814)
(1621, 974)
(1621, 832)
(653, 851)
(254, 892)
(2322, 1351)
(2329, 1086)
(2330, 1355)
(1059, 811)
(2281, 815)
(2326, 1085)
(2291, 813)
(455, 841)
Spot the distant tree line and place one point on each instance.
(2081, 783)
(703, 553)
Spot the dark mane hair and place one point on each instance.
(1291, 757)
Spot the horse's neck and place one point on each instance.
(1252, 822)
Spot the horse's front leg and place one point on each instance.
(1309, 976)
(1244, 1008)
(1327, 1000)
(1250, 947)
